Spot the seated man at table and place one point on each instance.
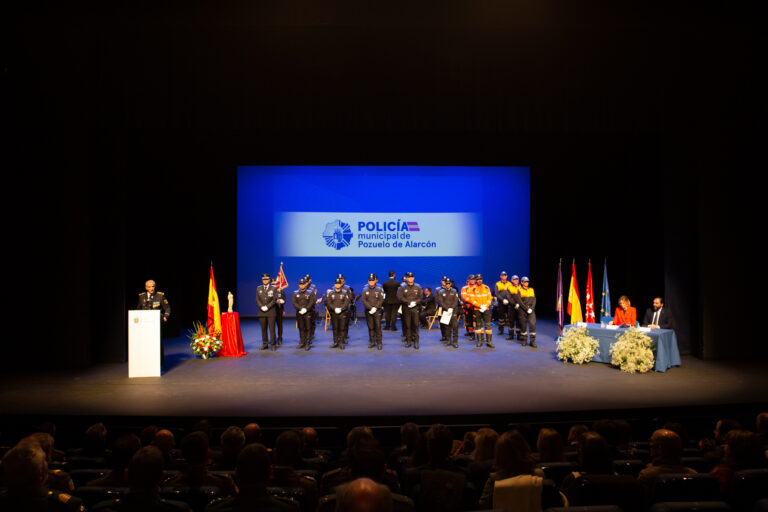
(626, 315)
(658, 317)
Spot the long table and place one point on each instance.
(666, 352)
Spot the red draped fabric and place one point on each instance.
(231, 337)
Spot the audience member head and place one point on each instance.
(678, 428)
(48, 427)
(623, 434)
(164, 441)
(439, 443)
(356, 434)
(468, 443)
(145, 471)
(723, 427)
(148, 435)
(761, 425)
(252, 433)
(366, 459)
(743, 450)
(125, 447)
(309, 438)
(609, 431)
(232, 441)
(513, 454)
(595, 454)
(194, 448)
(287, 448)
(363, 495)
(485, 444)
(409, 436)
(528, 432)
(550, 446)
(25, 467)
(253, 466)
(44, 441)
(666, 447)
(203, 426)
(576, 432)
(96, 439)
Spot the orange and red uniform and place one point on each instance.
(481, 296)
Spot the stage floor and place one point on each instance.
(396, 381)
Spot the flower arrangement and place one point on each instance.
(204, 344)
(577, 345)
(633, 352)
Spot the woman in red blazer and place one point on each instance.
(625, 313)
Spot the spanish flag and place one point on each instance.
(214, 310)
(574, 304)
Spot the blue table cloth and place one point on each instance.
(666, 351)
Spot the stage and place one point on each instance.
(393, 382)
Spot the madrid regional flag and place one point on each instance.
(214, 310)
(590, 303)
(574, 304)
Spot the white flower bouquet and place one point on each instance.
(578, 346)
(633, 352)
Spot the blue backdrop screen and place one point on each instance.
(354, 220)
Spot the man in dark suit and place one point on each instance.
(658, 317)
(391, 303)
(152, 299)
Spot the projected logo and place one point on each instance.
(337, 234)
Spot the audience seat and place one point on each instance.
(747, 487)
(85, 462)
(80, 477)
(623, 491)
(196, 497)
(594, 508)
(685, 487)
(691, 506)
(557, 471)
(94, 495)
(296, 494)
(630, 467)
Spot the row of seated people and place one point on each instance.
(431, 468)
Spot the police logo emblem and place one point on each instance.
(337, 234)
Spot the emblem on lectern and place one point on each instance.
(136, 320)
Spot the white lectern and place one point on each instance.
(143, 343)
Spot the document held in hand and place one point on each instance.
(445, 318)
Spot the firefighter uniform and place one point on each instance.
(466, 298)
(527, 311)
(502, 307)
(266, 299)
(373, 301)
(337, 302)
(411, 295)
(304, 302)
(481, 302)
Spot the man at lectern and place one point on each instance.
(152, 299)
(266, 299)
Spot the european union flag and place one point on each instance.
(605, 301)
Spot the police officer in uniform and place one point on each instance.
(439, 292)
(373, 300)
(527, 311)
(450, 302)
(151, 299)
(411, 295)
(266, 299)
(313, 289)
(337, 302)
(351, 293)
(304, 302)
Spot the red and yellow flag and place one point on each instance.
(574, 304)
(281, 282)
(590, 299)
(214, 310)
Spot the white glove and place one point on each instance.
(373, 310)
(412, 305)
(483, 308)
(264, 308)
(450, 310)
(506, 301)
(338, 311)
(517, 306)
(302, 311)
(530, 311)
(281, 301)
